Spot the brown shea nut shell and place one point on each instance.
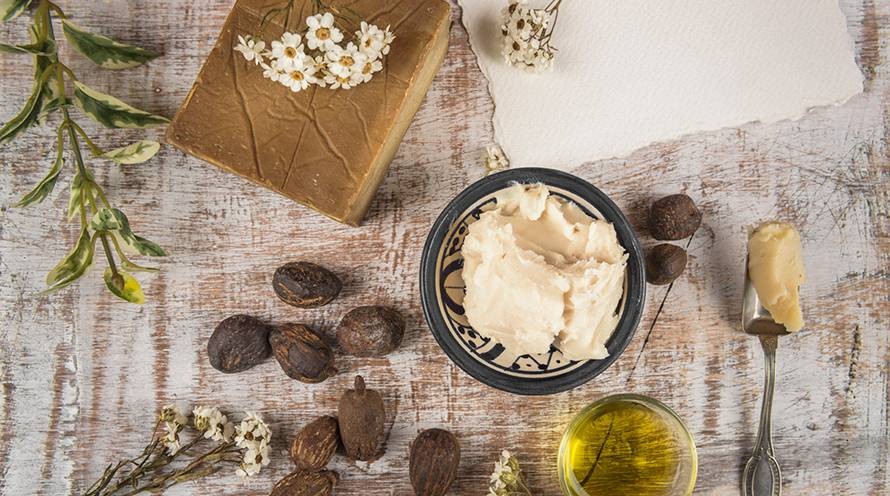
(433, 463)
(304, 483)
(302, 354)
(360, 416)
(315, 444)
(238, 343)
(370, 331)
(674, 217)
(664, 264)
(305, 285)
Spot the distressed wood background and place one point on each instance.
(82, 374)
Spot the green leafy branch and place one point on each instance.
(100, 222)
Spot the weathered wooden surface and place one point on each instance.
(83, 373)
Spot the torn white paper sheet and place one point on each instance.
(631, 72)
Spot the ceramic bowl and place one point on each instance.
(442, 289)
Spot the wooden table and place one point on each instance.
(84, 373)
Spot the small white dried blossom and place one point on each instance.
(288, 51)
(493, 159)
(372, 41)
(251, 49)
(342, 62)
(507, 478)
(174, 419)
(526, 35)
(298, 79)
(322, 33)
(213, 423)
(252, 433)
(273, 70)
(254, 459)
(173, 414)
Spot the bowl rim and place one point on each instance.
(636, 281)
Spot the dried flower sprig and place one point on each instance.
(245, 446)
(317, 57)
(526, 35)
(494, 160)
(100, 222)
(507, 478)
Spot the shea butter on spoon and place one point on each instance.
(775, 267)
(539, 272)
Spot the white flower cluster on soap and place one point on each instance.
(526, 35)
(317, 57)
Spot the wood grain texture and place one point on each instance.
(82, 373)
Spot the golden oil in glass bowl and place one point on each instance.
(627, 445)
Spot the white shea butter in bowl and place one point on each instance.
(539, 272)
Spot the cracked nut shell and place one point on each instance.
(305, 285)
(433, 463)
(665, 263)
(370, 331)
(304, 483)
(674, 217)
(302, 354)
(238, 343)
(360, 416)
(313, 447)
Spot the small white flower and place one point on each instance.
(372, 40)
(273, 70)
(368, 70)
(253, 461)
(340, 82)
(322, 34)
(251, 49)
(171, 438)
(173, 414)
(289, 51)
(342, 62)
(252, 432)
(213, 423)
(494, 159)
(298, 79)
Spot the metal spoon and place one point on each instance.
(762, 476)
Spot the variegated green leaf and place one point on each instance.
(137, 268)
(44, 187)
(104, 51)
(45, 48)
(135, 153)
(80, 186)
(106, 220)
(111, 112)
(131, 242)
(10, 9)
(74, 265)
(124, 286)
(27, 117)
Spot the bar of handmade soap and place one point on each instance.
(328, 149)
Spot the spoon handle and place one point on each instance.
(762, 476)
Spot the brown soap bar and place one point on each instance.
(328, 149)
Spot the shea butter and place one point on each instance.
(775, 267)
(539, 272)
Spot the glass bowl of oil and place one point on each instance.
(627, 444)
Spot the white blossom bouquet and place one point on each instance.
(526, 35)
(245, 446)
(318, 56)
(507, 478)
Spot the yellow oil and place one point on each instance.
(627, 447)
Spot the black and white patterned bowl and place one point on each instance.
(442, 289)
